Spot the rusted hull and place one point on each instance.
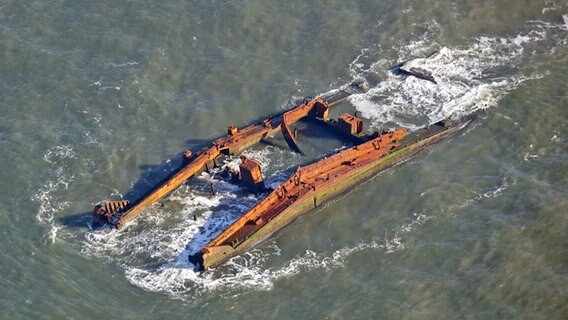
(280, 211)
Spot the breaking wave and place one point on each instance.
(468, 78)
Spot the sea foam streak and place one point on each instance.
(48, 197)
(153, 249)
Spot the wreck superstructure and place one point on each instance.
(307, 188)
(119, 212)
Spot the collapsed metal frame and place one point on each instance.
(119, 212)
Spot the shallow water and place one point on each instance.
(98, 99)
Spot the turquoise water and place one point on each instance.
(98, 99)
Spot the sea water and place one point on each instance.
(99, 98)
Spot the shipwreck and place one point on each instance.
(307, 188)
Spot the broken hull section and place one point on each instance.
(315, 184)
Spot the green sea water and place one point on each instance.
(98, 98)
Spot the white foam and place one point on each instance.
(497, 190)
(49, 202)
(418, 219)
(125, 64)
(466, 80)
(556, 138)
(59, 152)
(550, 5)
(248, 271)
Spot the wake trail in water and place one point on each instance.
(153, 249)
